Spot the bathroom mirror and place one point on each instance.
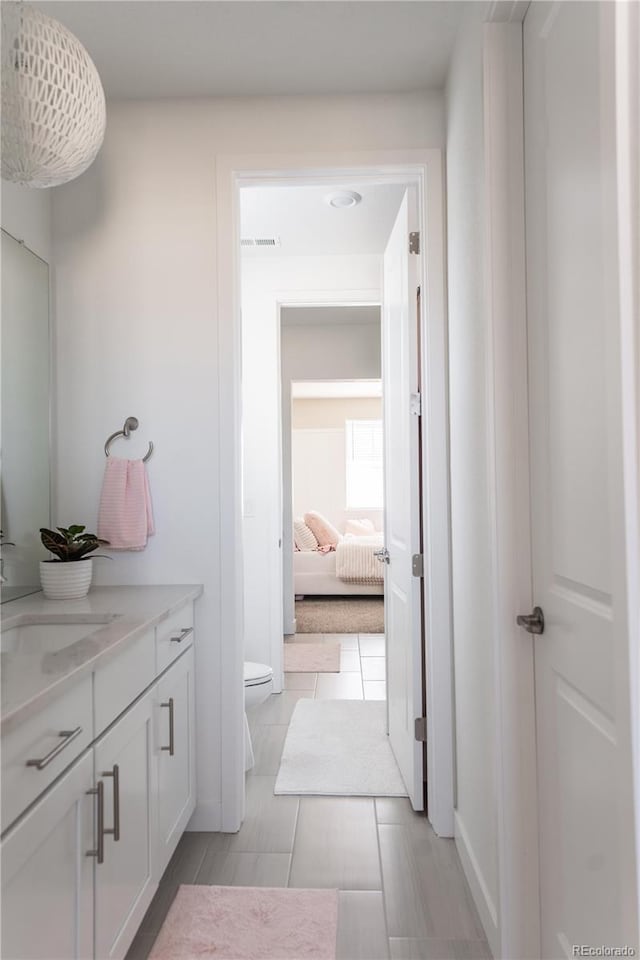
(24, 449)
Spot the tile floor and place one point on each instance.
(362, 668)
(403, 895)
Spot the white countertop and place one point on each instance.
(30, 680)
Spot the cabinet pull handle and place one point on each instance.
(67, 737)
(183, 633)
(99, 851)
(115, 773)
(169, 704)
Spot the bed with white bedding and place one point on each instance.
(352, 570)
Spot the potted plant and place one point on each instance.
(68, 575)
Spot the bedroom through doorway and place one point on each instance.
(337, 504)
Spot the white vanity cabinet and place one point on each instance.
(175, 750)
(125, 776)
(47, 877)
(81, 864)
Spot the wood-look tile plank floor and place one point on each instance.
(403, 895)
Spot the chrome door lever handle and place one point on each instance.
(382, 555)
(533, 622)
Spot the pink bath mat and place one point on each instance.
(311, 657)
(249, 923)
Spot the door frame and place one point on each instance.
(426, 168)
(513, 923)
(627, 80)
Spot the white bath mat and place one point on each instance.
(339, 748)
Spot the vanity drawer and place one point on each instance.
(48, 742)
(122, 680)
(173, 636)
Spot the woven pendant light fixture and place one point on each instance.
(53, 106)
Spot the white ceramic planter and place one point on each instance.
(66, 581)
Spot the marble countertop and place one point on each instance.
(32, 678)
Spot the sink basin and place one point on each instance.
(34, 635)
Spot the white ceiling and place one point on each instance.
(194, 48)
(305, 224)
(335, 389)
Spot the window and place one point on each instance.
(365, 488)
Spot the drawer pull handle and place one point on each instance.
(99, 851)
(115, 773)
(67, 737)
(183, 633)
(170, 748)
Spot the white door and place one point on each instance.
(124, 883)
(174, 750)
(47, 877)
(587, 887)
(402, 527)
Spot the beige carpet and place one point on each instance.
(312, 658)
(340, 615)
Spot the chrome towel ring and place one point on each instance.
(131, 423)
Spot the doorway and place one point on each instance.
(353, 287)
(424, 168)
(337, 473)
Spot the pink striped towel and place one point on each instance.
(126, 516)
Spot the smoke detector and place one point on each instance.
(343, 199)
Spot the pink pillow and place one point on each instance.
(324, 532)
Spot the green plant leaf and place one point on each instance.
(55, 543)
(50, 536)
(82, 549)
(76, 529)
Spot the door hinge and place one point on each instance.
(414, 241)
(421, 729)
(417, 565)
(415, 404)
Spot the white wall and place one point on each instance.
(472, 560)
(319, 455)
(134, 243)
(26, 215)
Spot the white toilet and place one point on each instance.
(258, 684)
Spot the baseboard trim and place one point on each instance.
(481, 896)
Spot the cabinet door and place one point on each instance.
(175, 752)
(123, 881)
(47, 877)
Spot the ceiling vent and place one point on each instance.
(260, 242)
